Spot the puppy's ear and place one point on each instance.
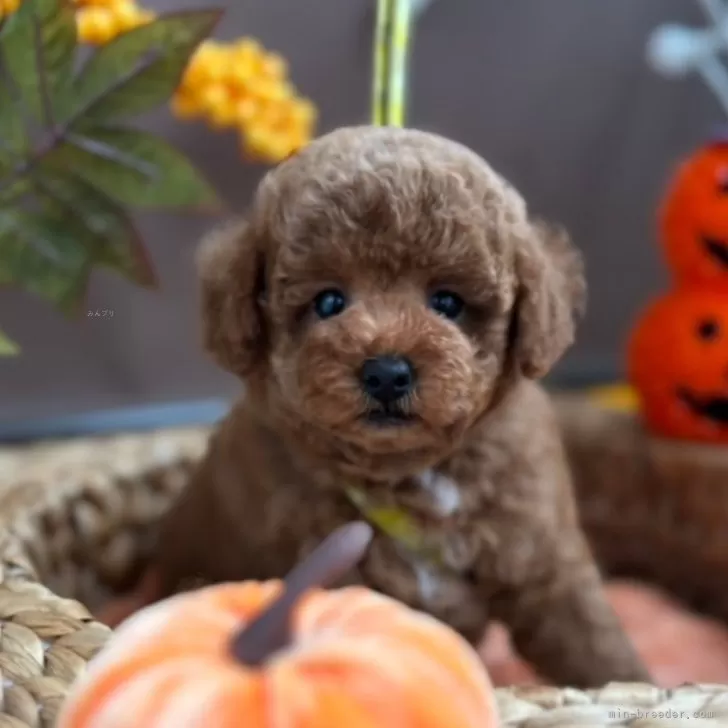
(551, 298)
(231, 268)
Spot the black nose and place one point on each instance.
(387, 378)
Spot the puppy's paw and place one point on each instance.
(120, 609)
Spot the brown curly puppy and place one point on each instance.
(388, 304)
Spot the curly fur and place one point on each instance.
(387, 216)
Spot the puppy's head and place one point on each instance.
(384, 286)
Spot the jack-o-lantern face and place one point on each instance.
(678, 363)
(694, 217)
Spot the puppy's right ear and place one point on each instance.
(551, 298)
(232, 277)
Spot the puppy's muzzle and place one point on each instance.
(387, 379)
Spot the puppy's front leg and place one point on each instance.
(561, 622)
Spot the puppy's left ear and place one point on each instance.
(551, 298)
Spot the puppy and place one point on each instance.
(389, 304)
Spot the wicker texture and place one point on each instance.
(639, 706)
(77, 518)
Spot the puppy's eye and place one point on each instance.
(447, 304)
(329, 303)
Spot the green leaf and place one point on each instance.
(40, 254)
(7, 347)
(99, 223)
(66, 174)
(13, 187)
(133, 167)
(13, 138)
(141, 69)
(37, 47)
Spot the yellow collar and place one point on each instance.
(396, 524)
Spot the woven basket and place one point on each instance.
(76, 519)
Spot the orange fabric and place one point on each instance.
(676, 645)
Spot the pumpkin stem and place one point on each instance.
(331, 560)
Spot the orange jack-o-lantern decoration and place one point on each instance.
(348, 658)
(694, 217)
(678, 363)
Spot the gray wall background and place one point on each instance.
(555, 94)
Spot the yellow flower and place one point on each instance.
(94, 3)
(8, 7)
(260, 144)
(185, 106)
(96, 25)
(304, 112)
(274, 66)
(213, 96)
(237, 84)
(224, 113)
(276, 129)
(240, 73)
(267, 90)
(247, 48)
(246, 108)
(128, 15)
(208, 65)
(241, 85)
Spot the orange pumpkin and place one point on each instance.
(678, 362)
(694, 217)
(305, 657)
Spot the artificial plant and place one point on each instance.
(71, 165)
